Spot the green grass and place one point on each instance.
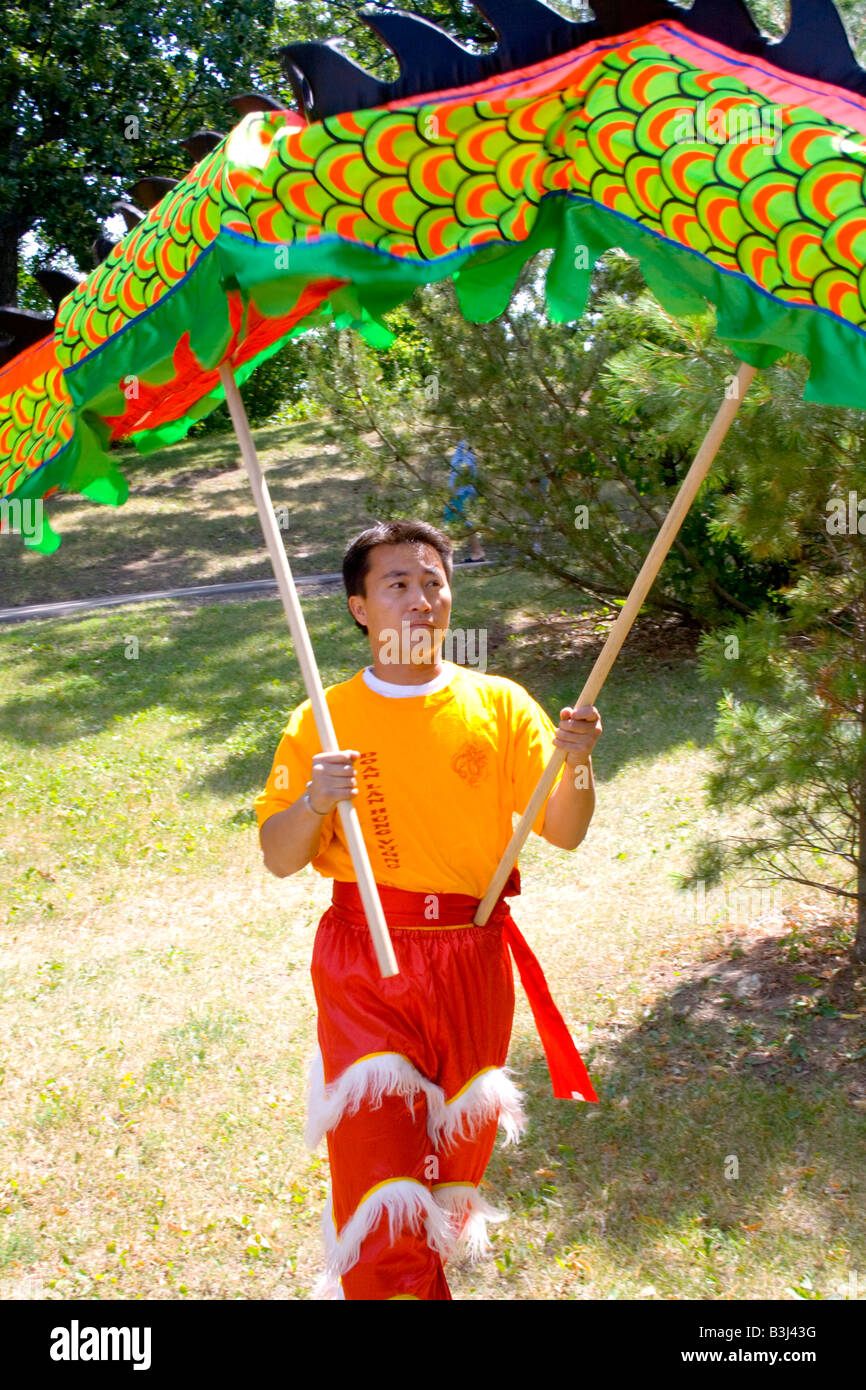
(156, 1012)
(190, 519)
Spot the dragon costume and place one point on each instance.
(731, 166)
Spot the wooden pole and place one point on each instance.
(310, 671)
(618, 633)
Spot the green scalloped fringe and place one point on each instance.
(104, 484)
(758, 328)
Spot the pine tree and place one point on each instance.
(792, 745)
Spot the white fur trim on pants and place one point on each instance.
(455, 1215)
(408, 1204)
(370, 1079)
(490, 1095)
(469, 1214)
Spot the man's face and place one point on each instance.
(407, 603)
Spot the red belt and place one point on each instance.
(407, 909)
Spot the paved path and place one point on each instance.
(243, 589)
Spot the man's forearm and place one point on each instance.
(290, 839)
(570, 807)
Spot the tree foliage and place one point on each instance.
(576, 471)
(792, 745)
(94, 97)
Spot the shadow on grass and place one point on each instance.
(744, 1080)
(191, 519)
(230, 669)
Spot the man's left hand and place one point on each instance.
(578, 732)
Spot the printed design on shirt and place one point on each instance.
(369, 769)
(471, 762)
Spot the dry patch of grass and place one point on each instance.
(153, 1082)
(156, 1012)
(156, 1036)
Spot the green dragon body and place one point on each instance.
(732, 179)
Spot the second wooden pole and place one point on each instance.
(618, 633)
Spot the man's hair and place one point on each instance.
(356, 561)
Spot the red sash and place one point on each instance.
(407, 909)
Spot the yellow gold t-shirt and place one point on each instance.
(439, 777)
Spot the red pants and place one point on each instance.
(409, 1088)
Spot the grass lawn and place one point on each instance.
(190, 519)
(156, 1011)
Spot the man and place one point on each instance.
(409, 1084)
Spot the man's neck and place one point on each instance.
(412, 673)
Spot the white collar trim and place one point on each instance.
(406, 692)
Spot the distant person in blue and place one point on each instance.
(540, 487)
(463, 467)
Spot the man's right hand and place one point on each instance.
(333, 779)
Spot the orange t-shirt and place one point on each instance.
(439, 777)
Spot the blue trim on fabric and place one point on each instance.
(35, 471)
(723, 270)
(795, 79)
(588, 202)
(144, 313)
(8, 366)
(416, 103)
(588, 50)
(336, 240)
